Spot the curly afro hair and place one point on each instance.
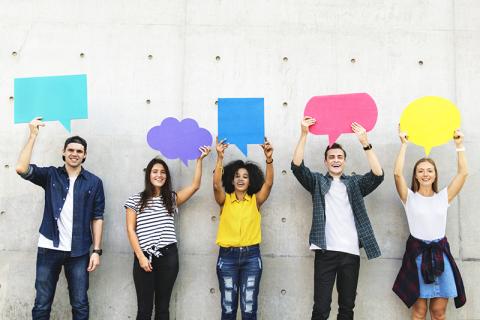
(255, 175)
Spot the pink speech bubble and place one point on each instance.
(336, 113)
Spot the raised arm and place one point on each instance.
(462, 171)
(371, 156)
(300, 148)
(185, 194)
(264, 192)
(26, 153)
(400, 182)
(218, 191)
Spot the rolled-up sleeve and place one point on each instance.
(303, 175)
(99, 202)
(369, 182)
(36, 175)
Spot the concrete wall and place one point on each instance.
(183, 78)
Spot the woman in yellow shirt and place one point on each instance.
(239, 265)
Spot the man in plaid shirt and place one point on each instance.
(340, 224)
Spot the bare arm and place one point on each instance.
(133, 239)
(264, 192)
(185, 194)
(26, 153)
(218, 191)
(400, 182)
(462, 169)
(97, 229)
(371, 156)
(300, 148)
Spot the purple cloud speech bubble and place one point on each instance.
(179, 139)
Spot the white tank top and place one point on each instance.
(427, 216)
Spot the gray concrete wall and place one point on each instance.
(387, 39)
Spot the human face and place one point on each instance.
(241, 181)
(425, 174)
(158, 176)
(335, 162)
(74, 154)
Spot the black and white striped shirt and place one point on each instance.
(155, 226)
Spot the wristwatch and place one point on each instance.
(97, 251)
(368, 147)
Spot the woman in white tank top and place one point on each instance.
(426, 210)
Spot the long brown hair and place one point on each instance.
(416, 184)
(165, 191)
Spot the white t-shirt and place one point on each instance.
(427, 216)
(340, 231)
(65, 224)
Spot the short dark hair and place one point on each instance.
(335, 146)
(75, 139)
(255, 175)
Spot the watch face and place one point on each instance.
(98, 251)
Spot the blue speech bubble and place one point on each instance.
(241, 121)
(57, 98)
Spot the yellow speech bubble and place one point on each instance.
(430, 121)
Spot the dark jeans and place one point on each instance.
(239, 268)
(328, 266)
(157, 284)
(49, 265)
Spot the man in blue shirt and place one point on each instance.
(74, 206)
(340, 224)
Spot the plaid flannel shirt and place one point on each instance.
(358, 186)
(407, 285)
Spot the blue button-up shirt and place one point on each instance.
(358, 186)
(88, 204)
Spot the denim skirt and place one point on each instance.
(443, 286)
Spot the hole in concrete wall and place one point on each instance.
(218, 58)
(10, 98)
(284, 220)
(212, 290)
(285, 104)
(150, 57)
(420, 62)
(213, 218)
(2, 212)
(353, 173)
(353, 60)
(144, 169)
(285, 59)
(14, 53)
(147, 101)
(7, 166)
(216, 102)
(284, 172)
(283, 292)
(82, 55)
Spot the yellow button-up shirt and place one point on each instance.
(239, 222)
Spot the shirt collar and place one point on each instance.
(342, 177)
(81, 174)
(233, 197)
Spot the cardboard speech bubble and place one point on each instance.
(241, 121)
(56, 98)
(179, 139)
(430, 121)
(336, 113)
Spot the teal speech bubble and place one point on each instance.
(56, 98)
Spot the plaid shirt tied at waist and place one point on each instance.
(407, 285)
(358, 187)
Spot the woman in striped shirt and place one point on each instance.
(239, 265)
(151, 232)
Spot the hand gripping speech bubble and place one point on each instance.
(179, 139)
(336, 113)
(241, 121)
(430, 121)
(56, 98)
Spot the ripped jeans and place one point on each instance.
(239, 269)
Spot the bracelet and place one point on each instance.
(269, 162)
(369, 147)
(460, 149)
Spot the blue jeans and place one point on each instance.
(49, 265)
(239, 268)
